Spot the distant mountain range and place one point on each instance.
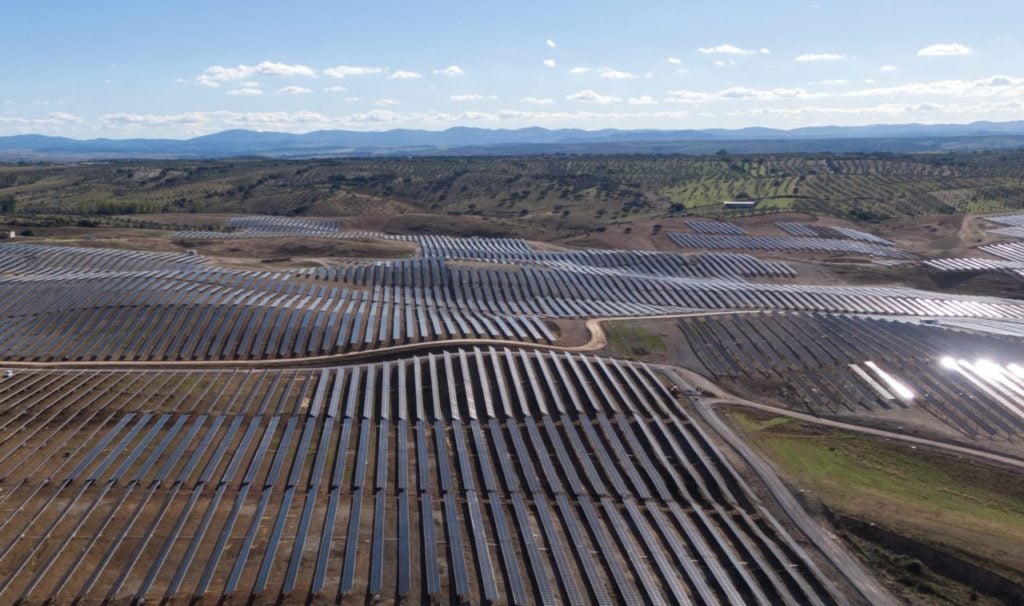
(461, 141)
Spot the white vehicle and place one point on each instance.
(8, 374)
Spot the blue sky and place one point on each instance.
(178, 69)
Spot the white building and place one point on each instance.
(738, 204)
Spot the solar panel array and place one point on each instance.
(704, 226)
(975, 264)
(830, 231)
(1014, 220)
(830, 364)
(1011, 251)
(83, 304)
(489, 476)
(268, 227)
(1013, 232)
(788, 243)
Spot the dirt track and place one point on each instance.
(598, 340)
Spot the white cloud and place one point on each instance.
(351, 98)
(589, 96)
(215, 75)
(63, 117)
(451, 70)
(642, 100)
(944, 50)
(994, 86)
(888, 68)
(245, 92)
(721, 63)
(126, 121)
(472, 97)
(344, 71)
(615, 74)
(765, 51)
(835, 82)
(725, 49)
(269, 68)
(294, 90)
(52, 123)
(550, 62)
(404, 75)
(335, 89)
(550, 43)
(809, 57)
(1004, 87)
(386, 102)
(741, 93)
(536, 101)
(674, 60)
(579, 70)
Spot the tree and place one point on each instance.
(8, 205)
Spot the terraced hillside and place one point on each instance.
(466, 475)
(90, 304)
(836, 365)
(577, 191)
(453, 427)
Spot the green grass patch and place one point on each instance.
(631, 340)
(971, 509)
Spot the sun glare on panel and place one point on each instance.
(894, 384)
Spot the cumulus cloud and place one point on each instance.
(637, 116)
(472, 97)
(810, 57)
(725, 49)
(579, 69)
(55, 122)
(63, 117)
(451, 70)
(386, 102)
(674, 60)
(294, 90)
(550, 62)
(945, 50)
(133, 122)
(642, 100)
(615, 74)
(741, 93)
(994, 86)
(1005, 87)
(887, 68)
(344, 71)
(334, 89)
(536, 101)
(550, 43)
(721, 63)
(404, 75)
(245, 92)
(589, 96)
(215, 75)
